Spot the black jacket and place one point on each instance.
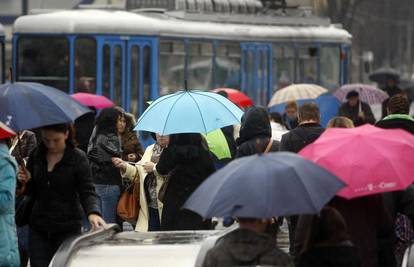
(300, 137)
(246, 248)
(255, 133)
(187, 167)
(60, 194)
(352, 113)
(341, 255)
(104, 147)
(404, 124)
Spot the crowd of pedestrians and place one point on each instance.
(72, 189)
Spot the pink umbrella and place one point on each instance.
(369, 159)
(91, 100)
(5, 131)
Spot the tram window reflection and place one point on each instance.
(330, 57)
(227, 67)
(106, 86)
(117, 83)
(85, 65)
(308, 64)
(171, 66)
(44, 60)
(283, 66)
(200, 66)
(134, 82)
(146, 73)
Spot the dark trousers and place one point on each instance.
(42, 246)
(292, 222)
(153, 220)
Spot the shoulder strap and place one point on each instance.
(269, 145)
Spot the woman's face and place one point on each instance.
(121, 124)
(55, 142)
(163, 140)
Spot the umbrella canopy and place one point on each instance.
(383, 74)
(367, 93)
(236, 96)
(263, 186)
(296, 92)
(189, 112)
(369, 159)
(91, 100)
(5, 132)
(30, 105)
(328, 107)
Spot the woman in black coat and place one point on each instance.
(187, 162)
(59, 180)
(327, 242)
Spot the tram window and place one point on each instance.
(283, 66)
(85, 65)
(171, 66)
(330, 58)
(134, 103)
(146, 76)
(200, 66)
(308, 64)
(263, 76)
(227, 67)
(117, 76)
(106, 70)
(44, 60)
(250, 73)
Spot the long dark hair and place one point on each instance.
(63, 128)
(328, 227)
(107, 120)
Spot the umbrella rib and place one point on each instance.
(222, 104)
(169, 112)
(201, 114)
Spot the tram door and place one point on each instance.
(128, 72)
(113, 70)
(256, 72)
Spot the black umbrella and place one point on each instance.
(383, 74)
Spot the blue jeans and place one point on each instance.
(109, 196)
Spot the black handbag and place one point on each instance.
(24, 206)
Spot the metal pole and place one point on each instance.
(25, 7)
(409, 49)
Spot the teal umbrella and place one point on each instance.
(189, 112)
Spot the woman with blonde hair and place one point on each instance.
(340, 122)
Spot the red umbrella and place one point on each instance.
(91, 100)
(368, 159)
(5, 132)
(236, 97)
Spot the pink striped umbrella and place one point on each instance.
(367, 93)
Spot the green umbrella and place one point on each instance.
(217, 143)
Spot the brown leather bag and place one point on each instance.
(128, 204)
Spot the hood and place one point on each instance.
(246, 246)
(255, 122)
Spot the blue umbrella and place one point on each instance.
(32, 105)
(189, 112)
(263, 186)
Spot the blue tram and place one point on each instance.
(135, 56)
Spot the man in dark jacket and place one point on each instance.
(255, 133)
(398, 110)
(308, 130)
(249, 245)
(398, 118)
(359, 112)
